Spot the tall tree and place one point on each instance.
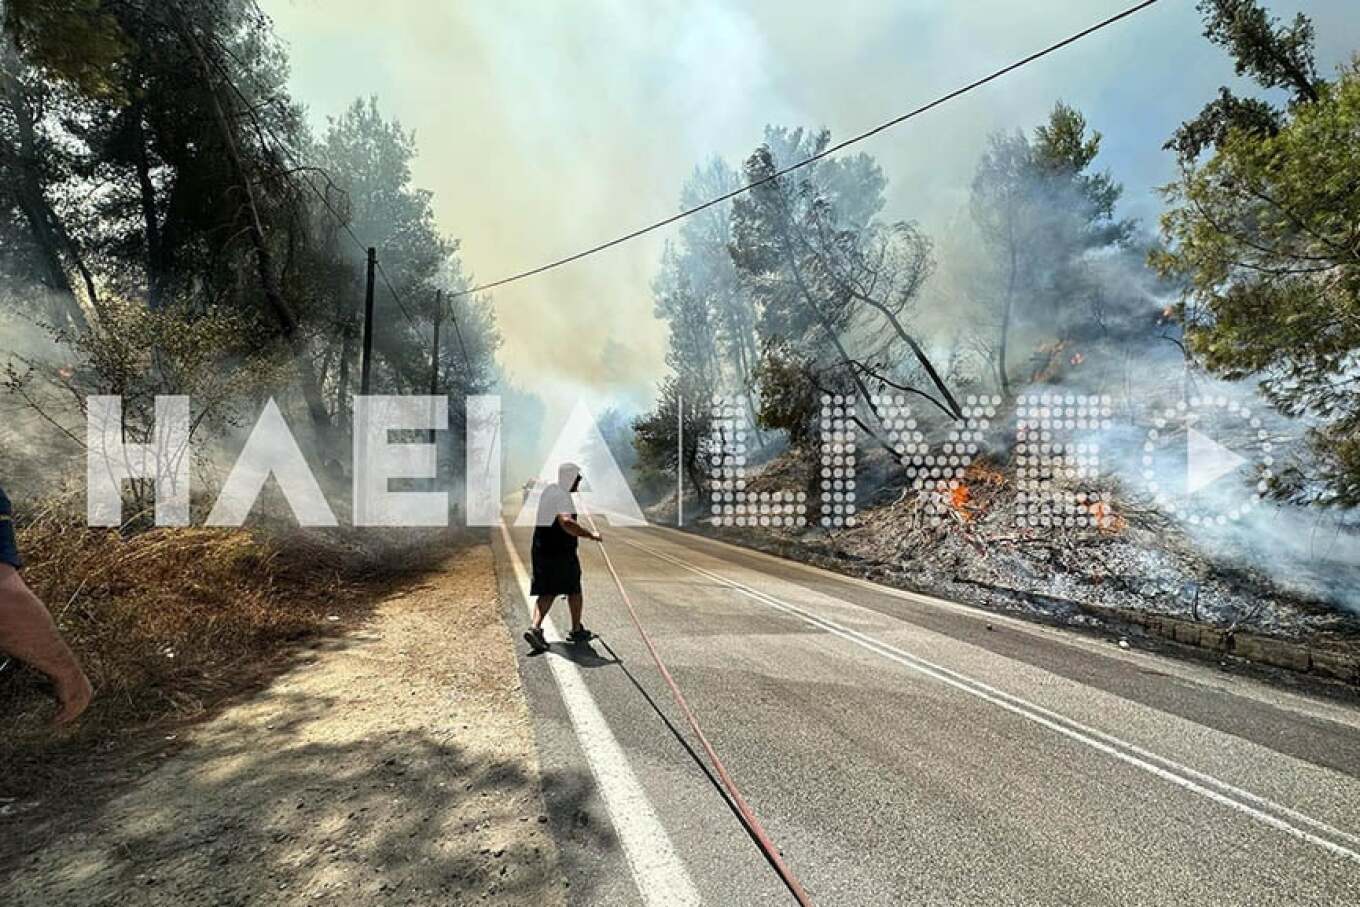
(712, 347)
(830, 280)
(151, 152)
(34, 165)
(702, 261)
(181, 139)
(656, 435)
(1274, 55)
(371, 200)
(1265, 232)
(1043, 214)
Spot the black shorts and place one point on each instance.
(556, 574)
(9, 545)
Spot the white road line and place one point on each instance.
(1250, 690)
(1218, 791)
(658, 871)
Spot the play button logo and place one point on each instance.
(1207, 461)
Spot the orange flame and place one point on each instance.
(960, 496)
(959, 499)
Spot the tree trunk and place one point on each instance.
(346, 356)
(264, 259)
(151, 228)
(1006, 308)
(917, 351)
(922, 358)
(830, 329)
(46, 229)
(745, 357)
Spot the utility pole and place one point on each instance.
(368, 323)
(434, 355)
(361, 425)
(680, 461)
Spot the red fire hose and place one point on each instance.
(748, 816)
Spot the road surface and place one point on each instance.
(901, 751)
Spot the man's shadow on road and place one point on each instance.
(582, 654)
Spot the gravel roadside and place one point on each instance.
(397, 765)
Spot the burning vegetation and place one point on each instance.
(803, 290)
(960, 539)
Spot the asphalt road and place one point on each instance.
(901, 752)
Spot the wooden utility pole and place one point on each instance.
(680, 460)
(434, 356)
(434, 353)
(365, 364)
(367, 359)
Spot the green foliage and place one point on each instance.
(790, 394)
(834, 284)
(1264, 234)
(781, 230)
(369, 193)
(151, 152)
(1265, 231)
(1276, 56)
(655, 437)
(692, 348)
(797, 288)
(215, 357)
(368, 160)
(698, 292)
(711, 347)
(73, 40)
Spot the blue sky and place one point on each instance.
(545, 127)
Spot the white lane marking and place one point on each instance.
(658, 871)
(1250, 689)
(1028, 627)
(1168, 770)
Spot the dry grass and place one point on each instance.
(169, 622)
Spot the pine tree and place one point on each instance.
(1263, 232)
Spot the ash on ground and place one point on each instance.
(969, 543)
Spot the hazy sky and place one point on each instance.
(544, 127)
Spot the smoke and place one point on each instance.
(1176, 429)
(543, 134)
(1230, 517)
(37, 418)
(537, 142)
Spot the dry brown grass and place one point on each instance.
(169, 622)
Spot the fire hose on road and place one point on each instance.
(743, 809)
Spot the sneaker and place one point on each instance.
(580, 634)
(536, 640)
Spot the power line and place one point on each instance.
(943, 99)
(289, 153)
(396, 297)
(382, 272)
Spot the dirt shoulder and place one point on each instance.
(396, 762)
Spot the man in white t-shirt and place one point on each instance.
(557, 567)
